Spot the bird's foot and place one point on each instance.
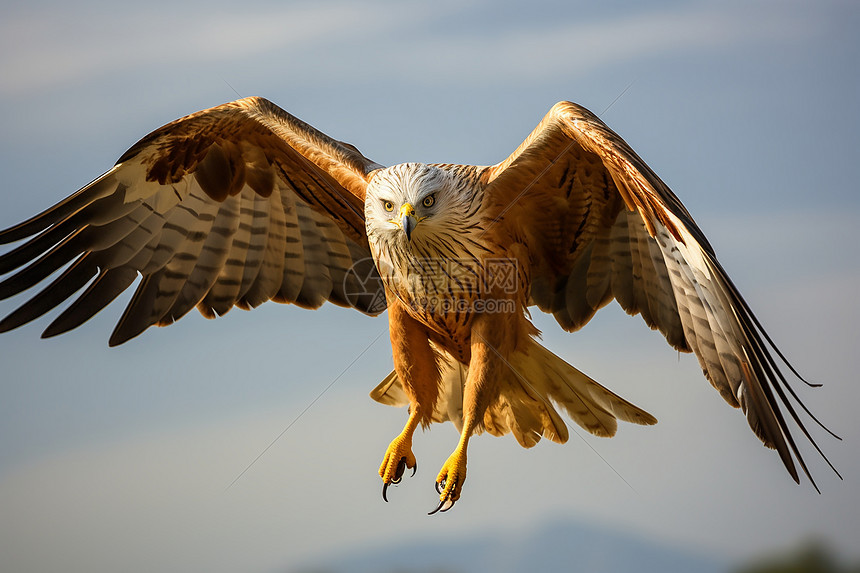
(449, 483)
(398, 457)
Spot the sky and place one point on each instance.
(249, 442)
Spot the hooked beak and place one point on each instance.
(408, 220)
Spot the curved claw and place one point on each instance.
(398, 476)
(384, 489)
(442, 507)
(440, 488)
(398, 473)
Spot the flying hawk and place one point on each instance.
(244, 203)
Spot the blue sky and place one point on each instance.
(119, 458)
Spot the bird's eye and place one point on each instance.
(429, 200)
(389, 206)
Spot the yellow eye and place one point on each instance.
(429, 200)
(389, 206)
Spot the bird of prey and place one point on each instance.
(244, 203)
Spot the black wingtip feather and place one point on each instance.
(99, 187)
(754, 326)
(773, 380)
(101, 292)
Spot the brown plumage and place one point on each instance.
(244, 203)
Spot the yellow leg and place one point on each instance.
(449, 482)
(415, 364)
(490, 340)
(399, 455)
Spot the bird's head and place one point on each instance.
(412, 202)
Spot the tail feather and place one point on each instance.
(536, 383)
(449, 407)
(589, 404)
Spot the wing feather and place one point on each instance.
(225, 292)
(317, 284)
(271, 270)
(637, 243)
(230, 206)
(101, 292)
(669, 316)
(599, 269)
(294, 253)
(255, 214)
(194, 219)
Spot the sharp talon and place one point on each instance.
(443, 506)
(398, 473)
(441, 503)
(414, 469)
(398, 476)
(384, 489)
(439, 486)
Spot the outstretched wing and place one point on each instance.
(599, 224)
(231, 206)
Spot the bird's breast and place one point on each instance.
(446, 292)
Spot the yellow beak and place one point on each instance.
(407, 219)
